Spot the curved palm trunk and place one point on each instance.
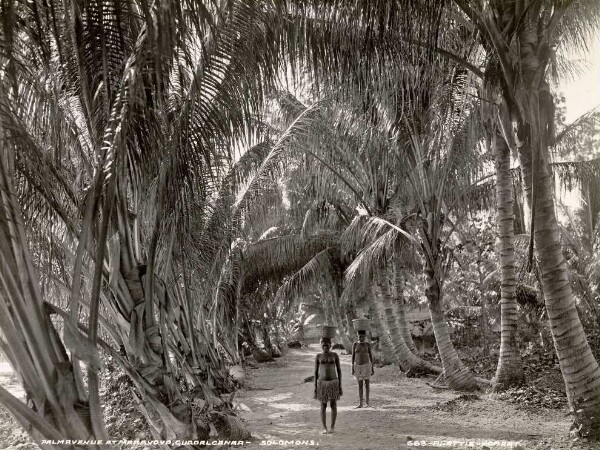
(509, 372)
(404, 325)
(337, 321)
(407, 359)
(344, 331)
(327, 309)
(351, 330)
(579, 368)
(458, 376)
(375, 310)
(399, 309)
(528, 99)
(266, 338)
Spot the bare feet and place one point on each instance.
(359, 406)
(368, 406)
(331, 431)
(325, 431)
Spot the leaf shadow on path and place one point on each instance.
(279, 408)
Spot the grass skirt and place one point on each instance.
(328, 390)
(362, 371)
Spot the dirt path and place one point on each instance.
(278, 407)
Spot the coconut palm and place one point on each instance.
(400, 302)
(143, 105)
(429, 186)
(376, 313)
(406, 357)
(148, 139)
(522, 37)
(509, 371)
(365, 171)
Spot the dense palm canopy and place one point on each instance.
(171, 171)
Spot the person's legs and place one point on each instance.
(333, 405)
(366, 392)
(360, 393)
(324, 416)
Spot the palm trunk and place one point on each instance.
(399, 309)
(509, 372)
(259, 354)
(348, 337)
(579, 368)
(327, 310)
(458, 376)
(351, 330)
(346, 340)
(266, 338)
(375, 310)
(409, 362)
(337, 321)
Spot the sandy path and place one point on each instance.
(278, 407)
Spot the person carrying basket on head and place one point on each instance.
(362, 366)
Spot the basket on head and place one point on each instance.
(361, 324)
(375, 332)
(328, 331)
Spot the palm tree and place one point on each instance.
(400, 302)
(521, 38)
(509, 371)
(357, 167)
(31, 341)
(407, 358)
(148, 138)
(435, 162)
(376, 313)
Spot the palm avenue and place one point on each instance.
(172, 172)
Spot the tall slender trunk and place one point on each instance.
(266, 338)
(399, 307)
(458, 376)
(375, 310)
(484, 322)
(326, 303)
(346, 340)
(579, 368)
(510, 370)
(351, 330)
(407, 359)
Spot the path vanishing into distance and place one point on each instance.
(277, 405)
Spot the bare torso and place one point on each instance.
(327, 368)
(361, 353)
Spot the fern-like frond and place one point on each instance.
(313, 275)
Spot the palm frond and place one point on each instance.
(275, 258)
(314, 274)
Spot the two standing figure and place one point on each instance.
(328, 376)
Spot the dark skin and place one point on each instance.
(361, 354)
(327, 368)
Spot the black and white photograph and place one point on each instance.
(299, 224)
